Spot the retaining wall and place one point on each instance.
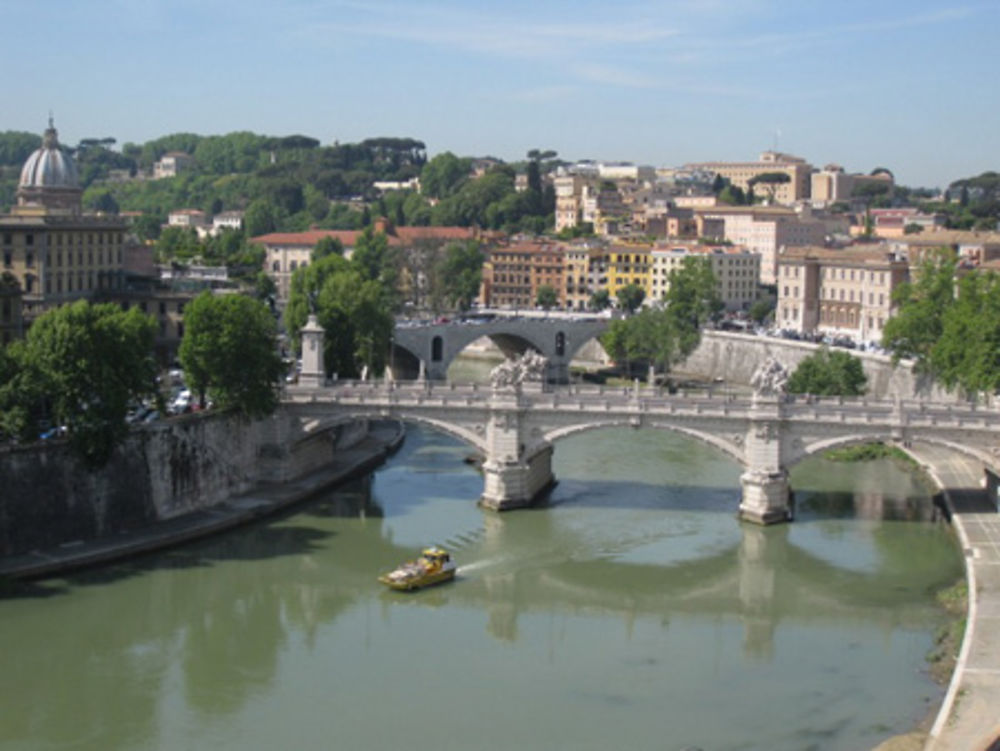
(735, 357)
(163, 470)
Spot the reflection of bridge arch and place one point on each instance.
(730, 449)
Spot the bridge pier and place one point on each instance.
(766, 497)
(765, 483)
(508, 486)
(517, 469)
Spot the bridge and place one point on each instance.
(428, 350)
(515, 425)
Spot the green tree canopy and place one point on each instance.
(546, 297)
(600, 300)
(630, 297)
(829, 373)
(919, 320)
(229, 352)
(967, 352)
(86, 363)
(352, 309)
(460, 272)
(327, 246)
(443, 175)
(692, 299)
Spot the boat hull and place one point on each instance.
(429, 580)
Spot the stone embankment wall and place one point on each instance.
(163, 470)
(735, 357)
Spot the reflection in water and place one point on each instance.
(623, 613)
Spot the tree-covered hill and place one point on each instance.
(294, 181)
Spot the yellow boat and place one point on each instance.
(432, 567)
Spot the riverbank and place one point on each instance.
(262, 500)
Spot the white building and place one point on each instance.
(763, 230)
(736, 271)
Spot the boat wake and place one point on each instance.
(478, 565)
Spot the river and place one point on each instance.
(631, 611)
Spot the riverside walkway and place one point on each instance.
(969, 718)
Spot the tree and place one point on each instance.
(88, 363)
(546, 297)
(648, 336)
(327, 246)
(919, 320)
(761, 309)
(829, 373)
(600, 300)
(769, 179)
(692, 299)
(353, 310)
(443, 175)
(967, 353)
(460, 271)
(630, 297)
(260, 218)
(229, 352)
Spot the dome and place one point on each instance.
(49, 166)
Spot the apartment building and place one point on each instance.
(736, 271)
(740, 174)
(569, 197)
(832, 184)
(172, 164)
(840, 292)
(513, 274)
(762, 230)
(973, 248)
(628, 264)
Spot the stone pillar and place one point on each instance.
(513, 477)
(765, 483)
(313, 373)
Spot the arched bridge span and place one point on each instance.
(557, 339)
(515, 427)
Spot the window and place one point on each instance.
(163, 308)
(29, 239)
(8, 259)
(29, 260)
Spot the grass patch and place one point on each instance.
(866, 452)
(948, 638)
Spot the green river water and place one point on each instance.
(631, 611)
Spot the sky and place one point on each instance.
(905, 84)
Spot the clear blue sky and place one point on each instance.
(906, 84)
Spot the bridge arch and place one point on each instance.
(317, 426)
(818, 447)
(730, 449)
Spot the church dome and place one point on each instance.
(49, 166)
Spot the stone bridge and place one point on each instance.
(430, 349)
(515, 429)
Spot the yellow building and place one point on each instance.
(54, 251)
(628, 264)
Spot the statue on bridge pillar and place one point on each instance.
(766, 496)
(510, 374)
